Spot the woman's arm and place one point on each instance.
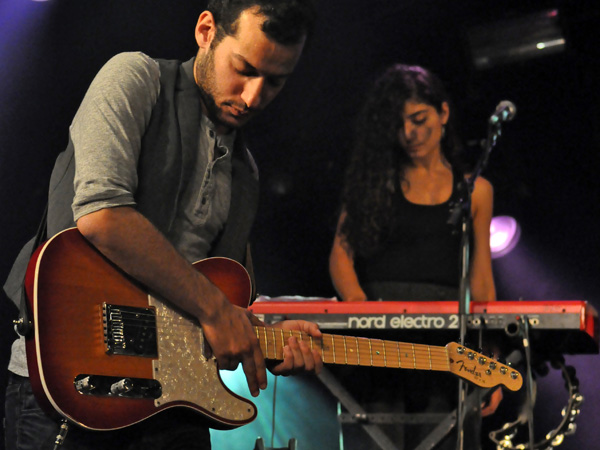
(482, 280)
(341, 268)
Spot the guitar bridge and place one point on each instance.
(129, 330)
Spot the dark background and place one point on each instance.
(544, 167)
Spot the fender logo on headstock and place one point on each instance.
(481, 370)
(463, 367)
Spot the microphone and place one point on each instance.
(505, 112)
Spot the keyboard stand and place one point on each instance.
(355, 410)
(371, 422)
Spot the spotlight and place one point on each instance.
(516, 39)
(504, 235)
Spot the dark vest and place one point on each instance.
(169, 153)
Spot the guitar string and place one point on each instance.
(417, 350)
(134, 319)
(422, 354)
(432, 355)
(440, 351)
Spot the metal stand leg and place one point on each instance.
(356, 410)
(260, 445)
(448, 423)
(370, 421)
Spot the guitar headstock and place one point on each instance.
(480, 369)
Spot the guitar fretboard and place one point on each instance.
(357, 351)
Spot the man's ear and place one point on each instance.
(206, 29)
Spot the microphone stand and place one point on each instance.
(461, 214)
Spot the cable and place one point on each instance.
(273, 420)
(62, 434)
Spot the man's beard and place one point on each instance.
(205, 70)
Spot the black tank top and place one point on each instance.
(422, 248)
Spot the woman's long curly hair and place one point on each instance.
(378, 161)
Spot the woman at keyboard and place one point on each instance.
(393, 240)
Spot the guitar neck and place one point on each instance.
(357, 351)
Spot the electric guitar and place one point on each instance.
(105, 353)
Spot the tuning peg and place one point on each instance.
(501, 360)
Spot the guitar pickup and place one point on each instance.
(129, 330)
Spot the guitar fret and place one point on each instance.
(442, 355)
(274, 336)
(384, 356)
(357, 350)
(429, 351)
(266, 341)
(379, 352)
(257, 332)
(333, 347)
(398, 350)
(345, 351)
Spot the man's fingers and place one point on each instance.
(255, 370)
(297, 358)
(308, 362)
(261, 368)
(250, 371)
(300, 356)
(226, 363)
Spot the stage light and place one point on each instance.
(516, 39)
(504, 235)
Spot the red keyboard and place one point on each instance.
(568, 327)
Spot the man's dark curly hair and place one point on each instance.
(377, 163)
(287, 21)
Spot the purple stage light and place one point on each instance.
(504, 235)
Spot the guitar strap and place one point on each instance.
(23, 324)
